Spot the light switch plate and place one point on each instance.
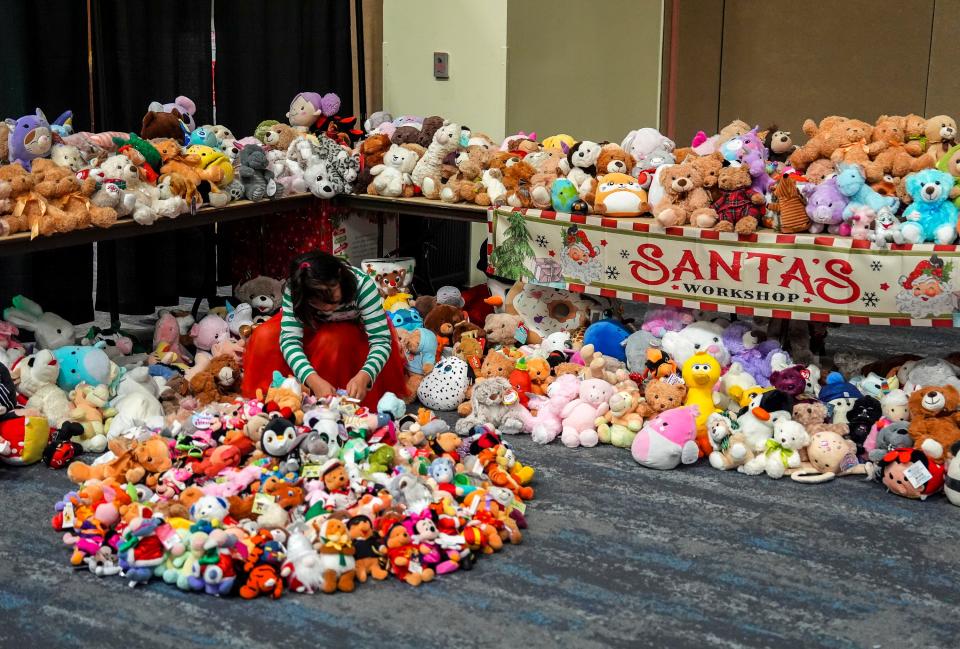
(441, 65)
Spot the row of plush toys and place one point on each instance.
(680, 389)
(891, 182)
(849, 178)
(57, 180)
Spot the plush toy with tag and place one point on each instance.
(494, 402)
(257, 179)
(911, 473)
(933, 419)
(829, 456)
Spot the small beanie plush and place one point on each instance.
(838, 388)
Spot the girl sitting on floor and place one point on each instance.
(331, 333)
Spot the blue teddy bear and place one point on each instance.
(931, 216)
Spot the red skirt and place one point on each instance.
(337, 350)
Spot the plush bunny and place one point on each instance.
(37, 380)
(50, 330)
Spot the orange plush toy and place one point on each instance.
(133, 462)
(933, 419)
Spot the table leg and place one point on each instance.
(107, 251)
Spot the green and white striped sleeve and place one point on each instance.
(374, 321)
(291, 341)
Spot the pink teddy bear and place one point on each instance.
(861, 223)
(547, 424)
(579, 416)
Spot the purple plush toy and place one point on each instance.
(825, 205)
(755, 156)
(744, 349)
(30, 138)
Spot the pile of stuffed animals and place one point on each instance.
(58, 181)
(200, 488)
(892, 182)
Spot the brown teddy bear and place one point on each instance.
(825, 138)
(661, 395)
(915, 130)
(933, 416)
(855, 150)
(685, 200)
(739, 208)
(889, 153)
(423, 135)
(372, 151)
(813, 416)
(819, 170)
(501, 329)
(441, 320)
(280, 136)
(220, 381)
(132, 462)
(941, 134)
(465, 184)
(709, 167)
(161, 124)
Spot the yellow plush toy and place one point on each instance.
(701, 372)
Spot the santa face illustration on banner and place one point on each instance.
(926, 291)
(580, 259)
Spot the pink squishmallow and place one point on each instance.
(668, 439)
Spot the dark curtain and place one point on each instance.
(144, 52)
(267, 52)
(50, 74)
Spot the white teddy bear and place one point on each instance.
(67, 156)
(782, 452)
(149, 205)
(391, 177)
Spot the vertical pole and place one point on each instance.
(361, 61)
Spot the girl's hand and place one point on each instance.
(319, 387)
(358, 386)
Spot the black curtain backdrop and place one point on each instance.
(267, 51)
(38, 71)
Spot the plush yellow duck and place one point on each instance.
(701, 372)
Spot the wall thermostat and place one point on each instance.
(441, 65)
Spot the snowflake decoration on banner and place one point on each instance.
(624, 253)
(876, 266)
(870, 299)
(542, 241)
(612, 273)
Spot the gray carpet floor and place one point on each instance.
(616, 556)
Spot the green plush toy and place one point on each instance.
(381, 459)
(950, 163)
(262, 128)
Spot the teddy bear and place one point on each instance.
(941, 134)
(264, 294)
(685, 200)
(392, 176)
(738, 207)
(661, 395)
(933, 418)
(579, 417)
(782, 453)
(709, 167)
(540, 374)
(826, 137)
(441, 321)
(697, 336)
(220, 381)
(621, 422)
(132, 462)
(493, 402)
(547, 166)
(161, 124)
(859, 136)
(730, 448)
(813, 416)
(495, 365)
(421, 348)
(189, 166)
(279, 136)
(612, 159)
(931, 216)
(465, 184)
(503, 329)
(889, 153)
(67, 156)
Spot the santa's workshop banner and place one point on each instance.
(800, 276)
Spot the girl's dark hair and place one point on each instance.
(313, 277)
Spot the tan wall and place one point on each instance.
(590, 69)
(475, 36)
(782, 62)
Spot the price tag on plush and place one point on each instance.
(521, 335)
(310, 471)
(260, 501)
(918, 475)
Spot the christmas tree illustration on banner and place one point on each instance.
(510, 257)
